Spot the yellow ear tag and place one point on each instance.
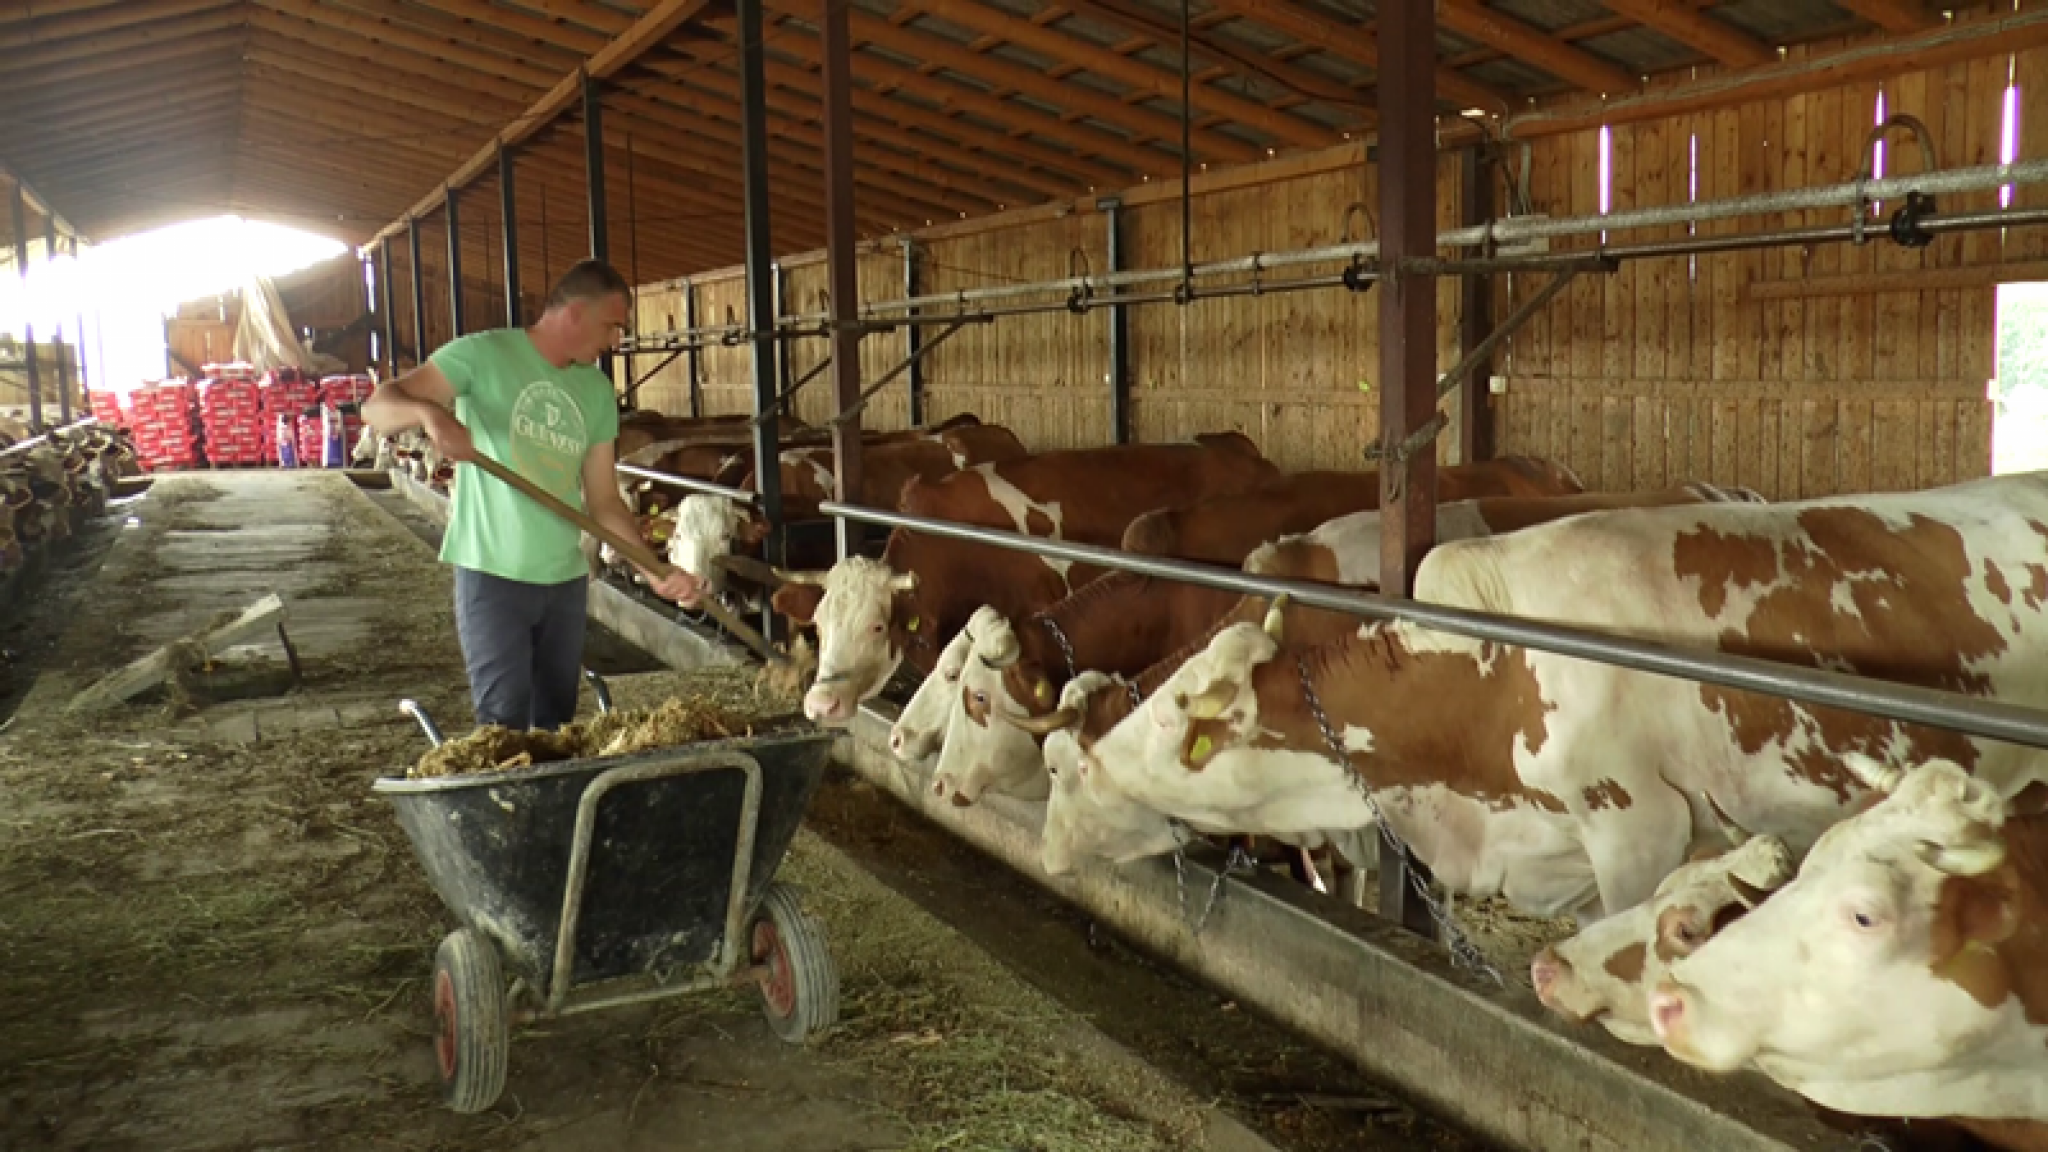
(912, 626)
(1044, 690)
(1201, 748)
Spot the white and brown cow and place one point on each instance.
(922, 723)
(1903, 973)
(869, 615)
(1570, 785)
(1605, 971)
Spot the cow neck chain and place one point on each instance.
(1066, 649)
(1463, 953)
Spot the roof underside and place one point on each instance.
(338, 115)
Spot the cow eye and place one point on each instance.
(876, 627)
(981, 697)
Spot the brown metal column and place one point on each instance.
(844, 285)
(1475, 313)
(1407, 172)
(28, 330)
(57, 336)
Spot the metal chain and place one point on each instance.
(1066, 648)
(1463, 953)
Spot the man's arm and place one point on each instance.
(601, 498)
(422, 398)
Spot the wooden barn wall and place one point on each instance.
(1797, 372)
(483, 297)
(327, 296)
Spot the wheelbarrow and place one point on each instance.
(596, 901)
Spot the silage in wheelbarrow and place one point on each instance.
(496, 849)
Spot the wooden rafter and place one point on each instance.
(1165, 85)
(1525, 42)
(90, 124)
(119, 44)
(340, 19)
(365, 51)
(55, 105)
(1891, 15)
(35, 201)
(650, 30)
(49, 9)
(1352, 42)
(42, 34)
(32, 70)
(1696, 30)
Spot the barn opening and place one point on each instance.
(2019, 393)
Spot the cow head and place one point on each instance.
(1879, 961)
(983, 750)
(864, 616)
(706, 527)
(923, 722)
(1086, 815)
(1606, 971)
(1205, 708)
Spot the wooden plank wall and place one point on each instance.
(1793, 371)
(1781, 370)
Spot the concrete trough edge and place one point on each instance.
(1492, 1060)
(668, 641)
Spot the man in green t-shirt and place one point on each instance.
(530, 399)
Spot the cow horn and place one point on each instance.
(1275, 617)
(903, 582)
(1045, 725)
(1875, 776)
(1212, 701)
(789, 577)
(1751, 895)
(1963, 859)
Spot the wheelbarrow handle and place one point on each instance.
(413, 709)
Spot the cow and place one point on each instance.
(1573, 786)
(923, 720)
(1902, 973)
(707, 527)
(924, 588)
(1122, 623)
(1223, 529)
(1605, 971)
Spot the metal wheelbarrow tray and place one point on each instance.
(604, 882)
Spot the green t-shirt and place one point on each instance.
(539, 420)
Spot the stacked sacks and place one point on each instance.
(165, 417)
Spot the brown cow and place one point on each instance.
(870, 616)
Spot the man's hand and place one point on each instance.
(450, 438)
(678, 586)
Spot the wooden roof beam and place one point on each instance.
(1132, 73)
(1696, 30)
(649, 31)
(36, 201)
(937, 51)
(53, 104)
(49, 10)
(973, 144)
(44, 34)
(114, 141)
(1891, 15)
(332, 16)
(384, 58)
(119, 44)
(1534, 46)
(83, 121)
(29, 70)
(286, 57)
(1356, 43)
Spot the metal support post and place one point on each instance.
(1119, 330)
(843, 283)
(696, 369)
(1407, 163)
(84, 389)
(515, 316)
(454, 266)
(760, 284)
(419, 296)
(28, 330)
(913, 335)
(390, 316)
(1475, 315)
(593, 168)
(57, 336)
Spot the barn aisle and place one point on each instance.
(214, 936)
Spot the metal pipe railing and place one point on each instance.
(1902, 702)
(32, 441)
(707, 487)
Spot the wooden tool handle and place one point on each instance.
(635, 550)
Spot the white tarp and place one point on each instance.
(264, 336)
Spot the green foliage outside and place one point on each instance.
(2019, 440)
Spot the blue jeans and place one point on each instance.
(523, 645)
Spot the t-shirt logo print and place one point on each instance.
(548, 437)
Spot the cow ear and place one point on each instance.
(799, 602)
(750, 529)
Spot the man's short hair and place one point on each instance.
(588, 280)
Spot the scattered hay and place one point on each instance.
(676, 722)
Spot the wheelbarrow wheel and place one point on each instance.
(800, 990)
(472, 1035)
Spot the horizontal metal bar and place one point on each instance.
(1913, 705)
(750, 499)
(32, 441)
(666, 992)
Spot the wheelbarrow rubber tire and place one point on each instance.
(801, 993)
(472, 1032)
